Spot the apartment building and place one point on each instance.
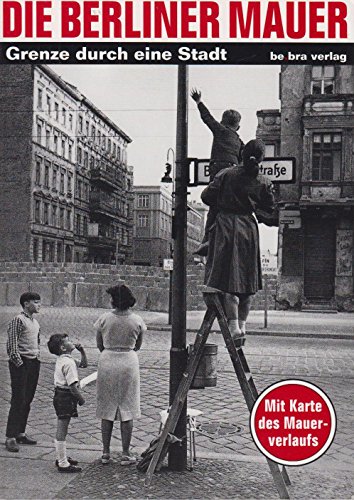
(66, 188)
(315, 125)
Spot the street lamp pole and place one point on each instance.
(171, 150)
(177, 459)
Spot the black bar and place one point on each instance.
(196, 53)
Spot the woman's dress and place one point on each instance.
(118, 377)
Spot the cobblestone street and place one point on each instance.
(224, 432)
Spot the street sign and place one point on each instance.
(291, 218)
(168, 264)
(278, 170)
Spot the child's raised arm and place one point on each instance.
(83, 362)
(196, 95)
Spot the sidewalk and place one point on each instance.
(280, 323)
(213, 476)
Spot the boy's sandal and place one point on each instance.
(70, 460)
(70, 468)
(106, 459)
(128, 460)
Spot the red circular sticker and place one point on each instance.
(293, 422)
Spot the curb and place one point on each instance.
(268, 333)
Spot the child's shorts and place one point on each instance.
(65, 403)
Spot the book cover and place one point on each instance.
(117, 133)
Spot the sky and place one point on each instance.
(142, 101)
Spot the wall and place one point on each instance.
(16, 107)
(84, 285)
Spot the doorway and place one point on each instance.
(320, 259)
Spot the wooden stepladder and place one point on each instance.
(214, 310)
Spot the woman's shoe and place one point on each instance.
(106, 459)
(128, 460)
(239, 340)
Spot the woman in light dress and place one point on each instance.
(119, 335)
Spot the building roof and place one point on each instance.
(76, 94)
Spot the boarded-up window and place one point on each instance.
(292, 260)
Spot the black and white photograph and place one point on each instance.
(176, 255)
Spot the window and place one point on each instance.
(59, 252)
(56, 109)
(54, 178)
(40, 98)
(70, 121)
(269, 150)
(143, 220)
(61, 220)
(46, 175)
(80, 123)
(322, 80)
(37, 211)
(54, 215)
(70, 151)
(39, 132)
(93, 131)
(143, 200)
(326, 156)
(114, 149)
(79, 189)
(62, 181)
(49, 104)
(99, 137)
(109, 145)
(38, 173)
(86, 159)
(79, 155)
(85, 226)
(68, 219)
(118, 153)
(87, 127)
(47, 138)
(55, 144)
(78, 224)
(46, 213)
(35, 250)
(70, 177)
(64, 116)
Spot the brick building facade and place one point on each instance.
(65, 189)
(316, 126)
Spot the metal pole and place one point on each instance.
(265, 301)
(177, 459)
(170, 300)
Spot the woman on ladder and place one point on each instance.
(233, 263)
